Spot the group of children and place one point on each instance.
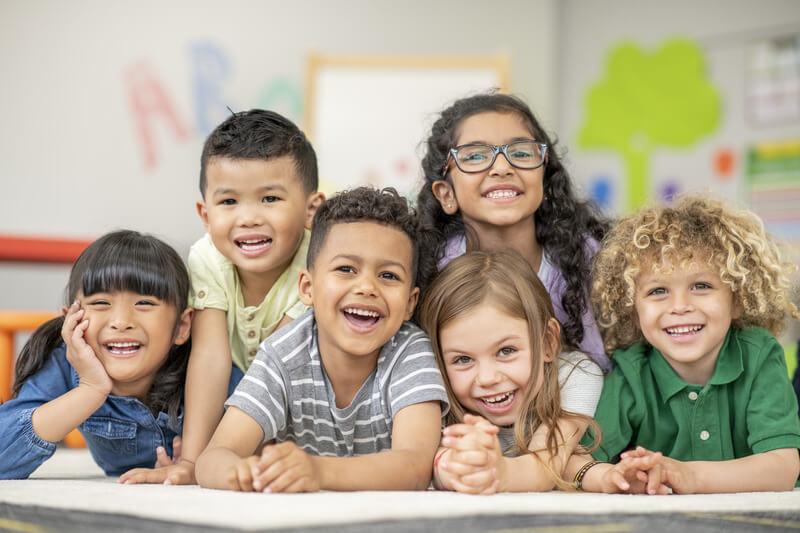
(355, 343)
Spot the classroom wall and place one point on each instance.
(726, 32)
(105, 103)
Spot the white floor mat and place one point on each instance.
(71, 481)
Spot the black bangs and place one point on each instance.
(130, 261)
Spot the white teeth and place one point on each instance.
(123, 344)
(684, 329)
(501, 193)
(252, 244)
(362, 312)
(499, 398)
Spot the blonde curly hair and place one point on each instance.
(694, 228)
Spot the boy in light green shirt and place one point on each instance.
(690, 297)
(258, 180)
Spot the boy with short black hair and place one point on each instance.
(258, 181)
(346, 380)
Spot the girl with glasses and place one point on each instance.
(494, 181)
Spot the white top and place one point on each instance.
(581, 382)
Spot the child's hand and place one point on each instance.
(80, 355)
(639, 471)
(473, 455)
(180, 473)
(167, 470)
(162, 459)
(240, 475)
(285, 467)
(678, 475)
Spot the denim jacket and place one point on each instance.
(122, 434)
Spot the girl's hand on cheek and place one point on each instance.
(80, 355)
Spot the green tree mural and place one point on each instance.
(648, 100)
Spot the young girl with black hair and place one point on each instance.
(113, 366)
(493, 181)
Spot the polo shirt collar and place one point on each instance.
(730, 364)
(728, 368)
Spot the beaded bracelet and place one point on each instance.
(578, 481)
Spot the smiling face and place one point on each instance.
(685, 313)
(132, 335)
(255, 211)
(501, 196)
(488, 361)
(361, 288)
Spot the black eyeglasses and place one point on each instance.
(475, 157)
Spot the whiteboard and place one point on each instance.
(368, 117)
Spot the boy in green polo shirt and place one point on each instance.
(690, 298)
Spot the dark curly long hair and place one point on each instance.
(123, 261)
(563, 223)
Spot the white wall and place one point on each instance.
(71, 162)
(72, 165)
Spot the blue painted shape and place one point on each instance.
(600, 190)
(210, 68)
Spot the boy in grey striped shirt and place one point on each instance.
(347, 379)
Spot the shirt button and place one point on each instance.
(201, 294)
(704, 435)
(693, 395)
(253, 352)
(251, 316)
(251, 334)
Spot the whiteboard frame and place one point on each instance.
(321, 67)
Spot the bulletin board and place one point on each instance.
(368, 116)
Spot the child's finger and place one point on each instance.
(285, 479)
(482, 423)
(458, 430)
(274, 452)
(242, 477)
(458, 468)
(162, 459)
(143, 475)
(468, 442)
(654, 479)
(618, 479)
(302, 484)
(177, 444)
(267, 473)
(470, 457)
(492, 489)
(458, 486)
(481, 478)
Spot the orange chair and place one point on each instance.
(12, 322)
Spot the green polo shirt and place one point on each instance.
(747, 407)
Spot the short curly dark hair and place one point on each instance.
(365, 204)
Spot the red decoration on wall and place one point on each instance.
(724, 163)
(149, 102)
(40, 249)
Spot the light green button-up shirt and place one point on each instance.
(747, 407)
(216, 285)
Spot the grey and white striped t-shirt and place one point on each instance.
(288, 393)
